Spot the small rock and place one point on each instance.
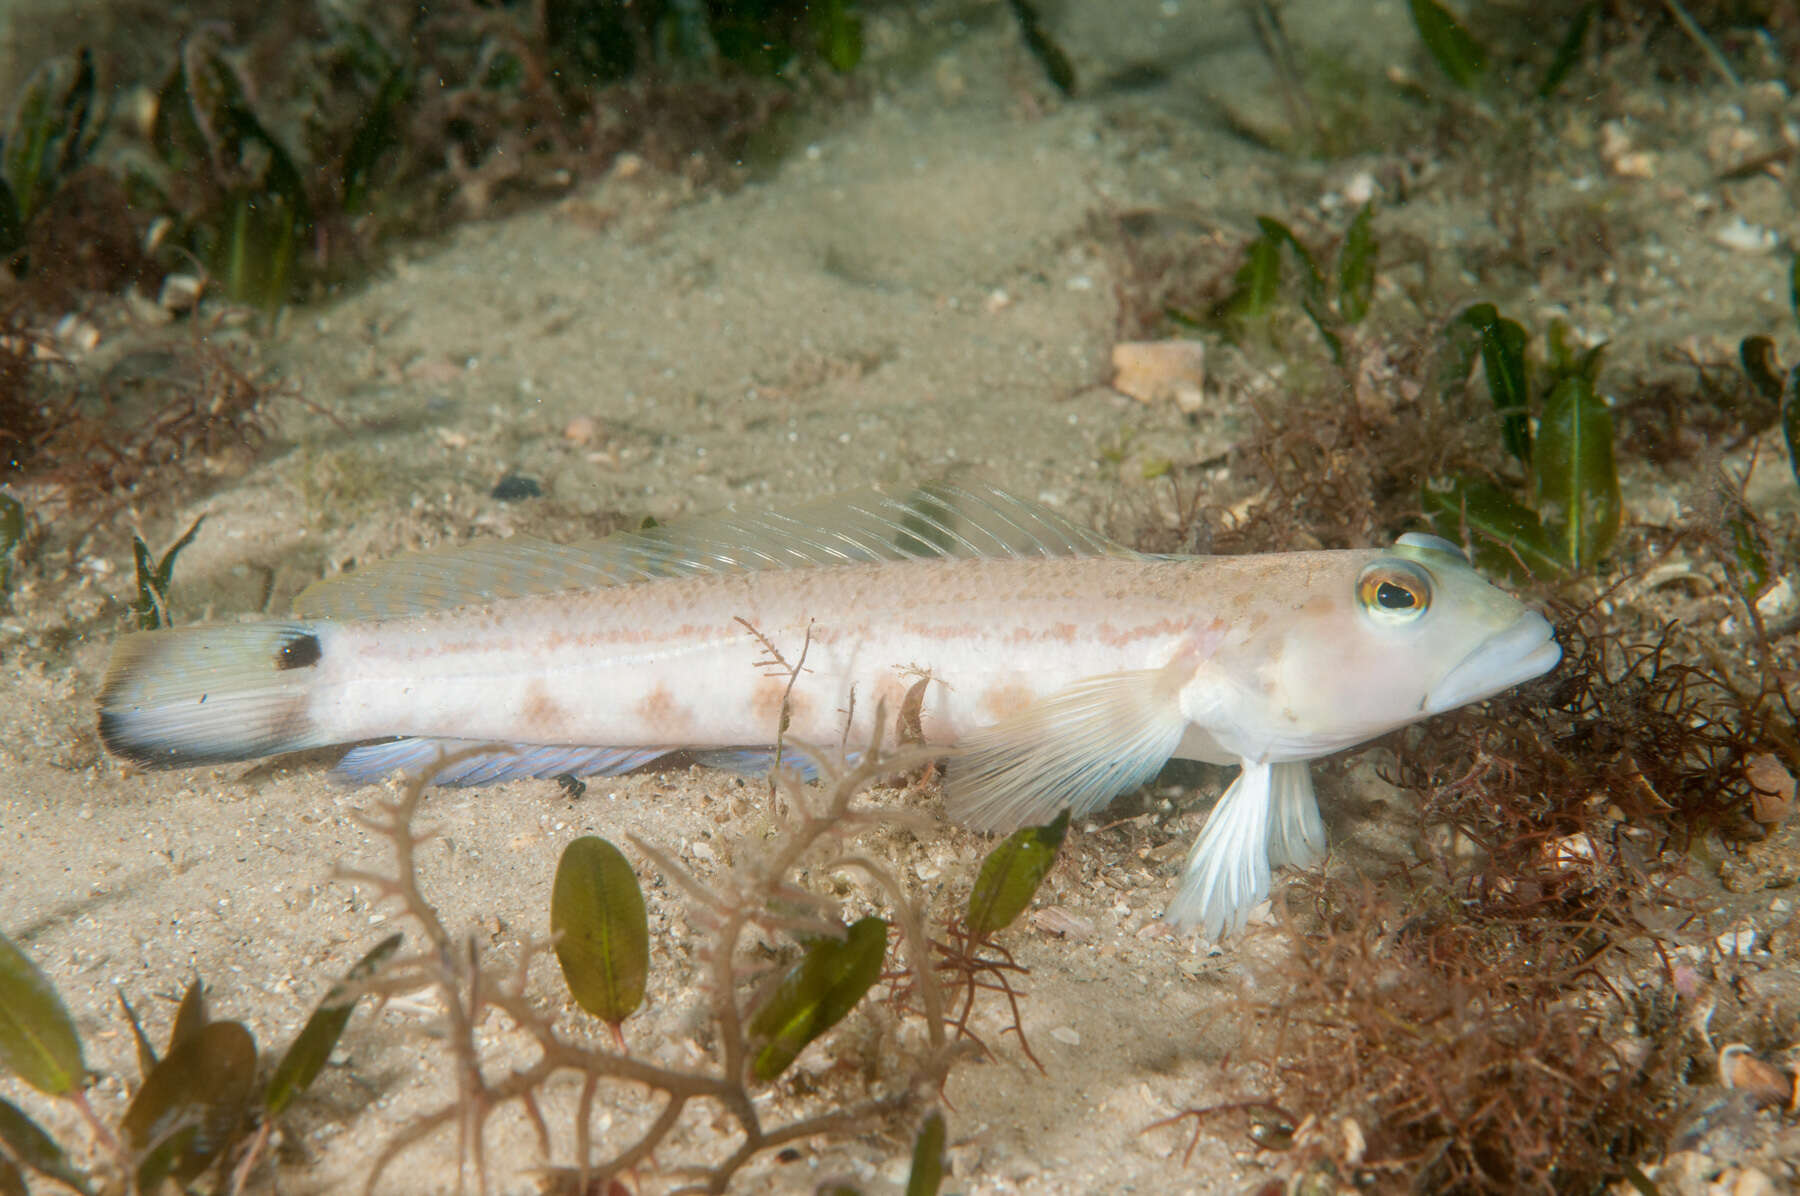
(1067, 1035)
(1741, 236)
(1160, 371)
(581, 430)
(1769, 1086)
(998, 300)
(516, 486)
(179, 293)
(1771, 789)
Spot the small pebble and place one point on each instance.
(516, 486)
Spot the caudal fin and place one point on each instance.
(201, 695)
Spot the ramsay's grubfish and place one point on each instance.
(1059, 669)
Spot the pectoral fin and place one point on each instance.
(1076, 750)
(1228, 868)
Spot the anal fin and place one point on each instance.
(1075, 750)
(486, 764)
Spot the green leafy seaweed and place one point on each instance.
(38, 1042)
(1462, 59)
(154, 576)
(1575, 474)
(1010, 876)
(603, 933)
(306, 1056)
(54, 126)
(815, 994)
(12, 530)
(192, 1104)
(1356, 266)
(1568, 51)
(1057, 67)
(1502, 342)
(927, 1174)
(24, 1141)
(1504, 535)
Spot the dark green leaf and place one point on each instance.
(376, 134)
(38, 1042)
(52, 130)
(1457, 54)
(1280, 234)
(1504, 535)
(603, 944)
(146, 1051)
(154, 579)
(33, 1148)
(1576, 476)
(1568, 361)
(12, 530)
(1568, 53)
(1794, 287)
(927, 1174)
(840, 34)
(815, 994)
(190, 1015)
(12, 1180)
(306, 1056)
(1504, 366)
(12, 224)
(1057, 67)
(1356, 267)
(1010, 876)
(1757, 353)
(1748, 555)
(193, 1104)
(1334, 344)
(1790, 420)
(1253, 290)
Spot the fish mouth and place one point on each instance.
(1524, 650)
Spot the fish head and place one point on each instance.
(1370, 641)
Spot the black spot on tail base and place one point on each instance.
(301, 652)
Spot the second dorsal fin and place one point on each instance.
(933, 520)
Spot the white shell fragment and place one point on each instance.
(1161, 371)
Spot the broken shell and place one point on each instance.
(1158, 371)
(1771, 789)
(1769, 1086)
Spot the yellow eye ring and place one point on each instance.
(1394, 592)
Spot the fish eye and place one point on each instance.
(1394, 592)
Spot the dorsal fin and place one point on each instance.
(936, 519)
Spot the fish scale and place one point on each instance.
(1061, 669)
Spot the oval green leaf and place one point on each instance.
(1576, 476)
(1503, 365)
(603, 933)
(192, 1105)
(1356, 266)
(927, 1174)
(1457, 54)
(33, 1148)
(306, 1056)
(816, 994)
(1010, 876)
(1790, 420)
(1505, 536)
(38, 1042)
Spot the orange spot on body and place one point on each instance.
(1007, 699)
(663, 715)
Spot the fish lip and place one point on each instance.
(1526, 649)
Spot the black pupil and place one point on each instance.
(1393, 597)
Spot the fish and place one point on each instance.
(1054, 668)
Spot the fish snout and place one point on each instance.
(1524, 650)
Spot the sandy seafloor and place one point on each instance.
(916, 287)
